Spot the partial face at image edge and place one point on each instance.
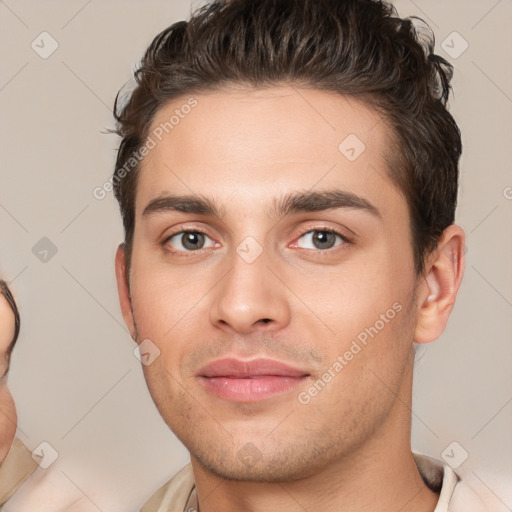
(8, 417)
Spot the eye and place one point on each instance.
(321, 239)
(189, 241)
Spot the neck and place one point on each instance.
(378, 475)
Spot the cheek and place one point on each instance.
(155, 298)
(161, 305)
(350, 298)
(169, 312)
(367, 310)
(8, 420)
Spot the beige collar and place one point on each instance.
(15, 470)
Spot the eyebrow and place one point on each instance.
(323, 200)
(295, 202)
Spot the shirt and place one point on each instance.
(17, 466)
(179, 494)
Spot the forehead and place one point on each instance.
(259, 142)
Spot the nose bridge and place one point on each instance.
(249, 296)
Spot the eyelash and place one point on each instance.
(187, 254)
(183, 254)
(324, 229)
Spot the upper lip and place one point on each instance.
(231, 367)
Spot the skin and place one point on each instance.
(349, 447)
(8, 418)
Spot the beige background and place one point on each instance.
(75, 379)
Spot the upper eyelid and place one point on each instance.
(301, 233)
(351, 234)
(186, 230)
(323, 228)
(183, 231)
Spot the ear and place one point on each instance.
(123, 290)
(438, 290)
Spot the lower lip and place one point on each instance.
(250, 389)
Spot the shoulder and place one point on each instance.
(458, 492)
(172, 496)
(480, 492)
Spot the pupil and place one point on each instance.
(192, 240)
(323, 239)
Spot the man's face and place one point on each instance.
(307, 287)
(7, 409)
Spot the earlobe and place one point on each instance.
(123, 291)
(438, 291)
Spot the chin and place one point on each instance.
(250, 465)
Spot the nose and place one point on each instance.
(250, 298)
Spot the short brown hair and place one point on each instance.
(359, 48)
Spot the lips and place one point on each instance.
(237, 368)
(250, 381)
